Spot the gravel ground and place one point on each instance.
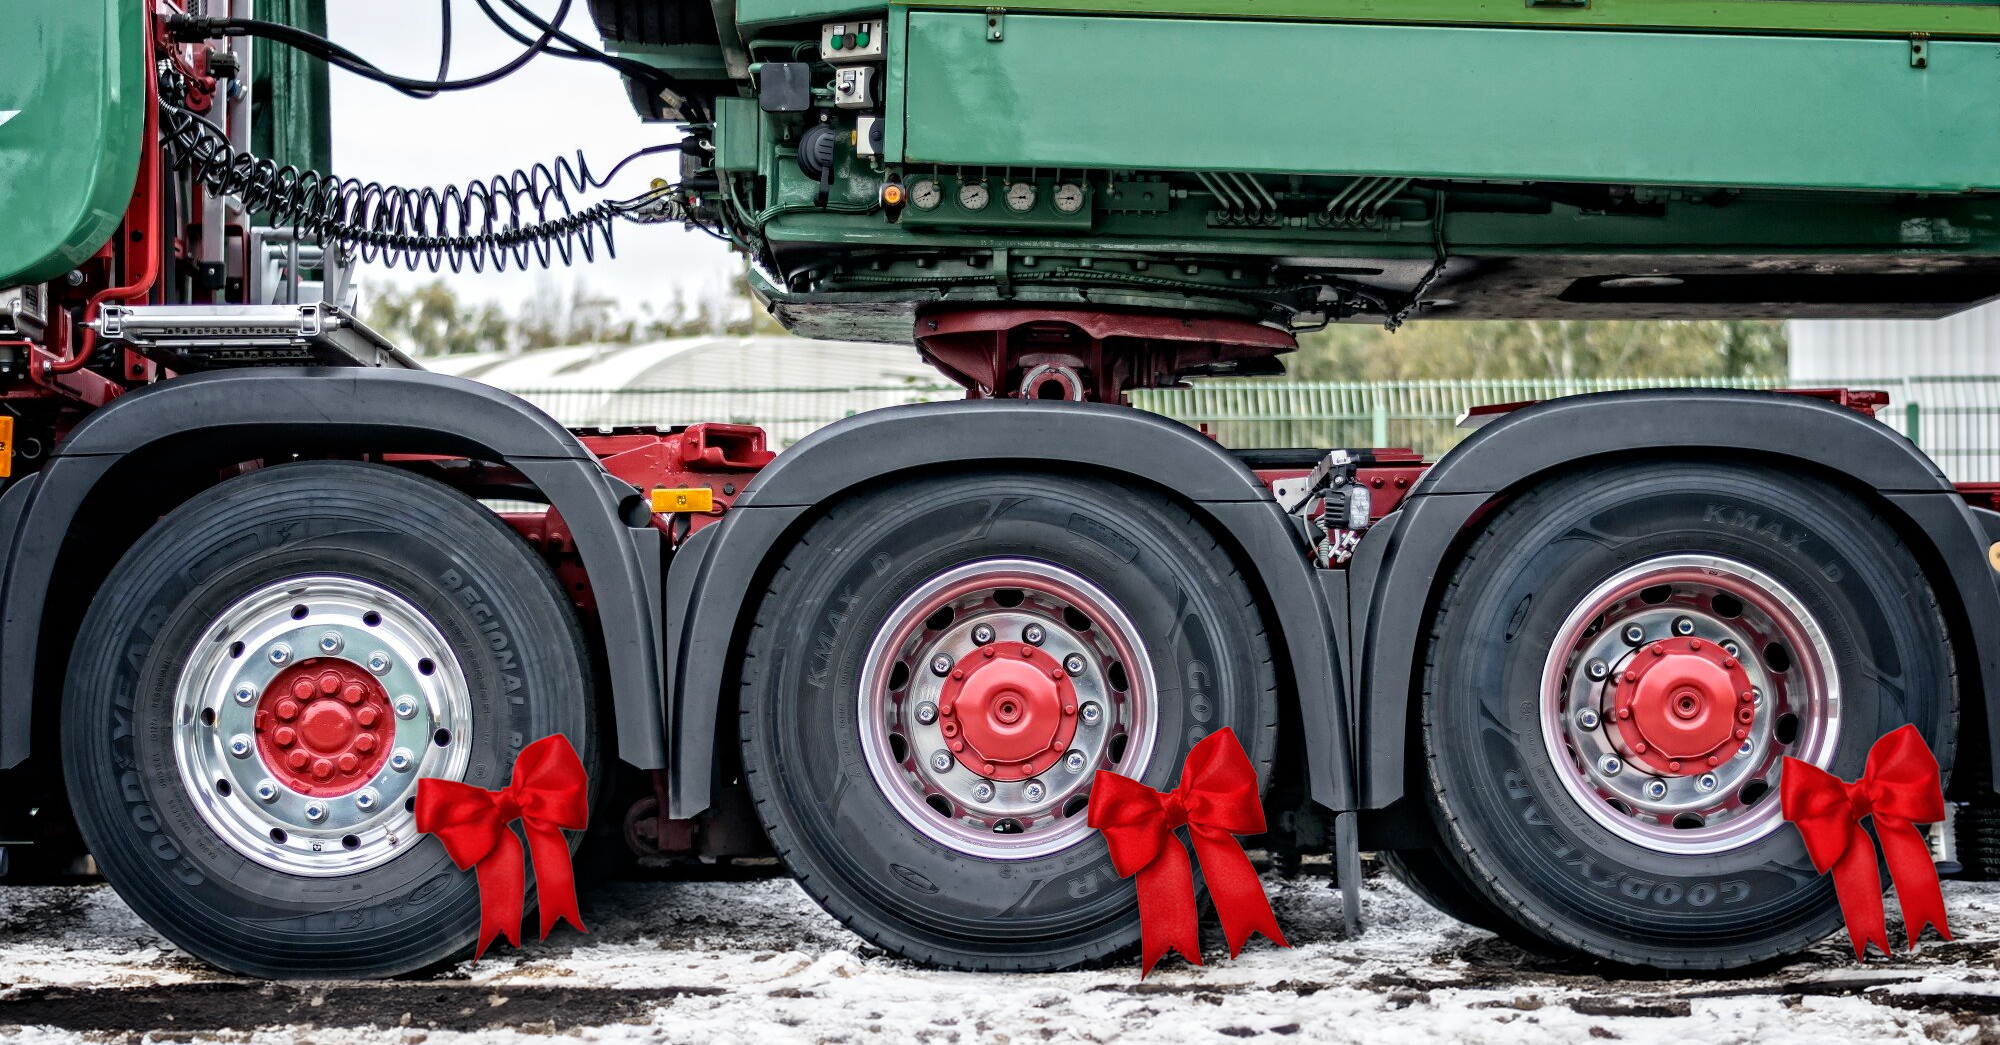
(756, 962)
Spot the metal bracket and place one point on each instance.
(995, 24)
(1574, 4)
(1920, 50)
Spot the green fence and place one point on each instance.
(1955, 419)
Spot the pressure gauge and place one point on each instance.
(1021, 196)
(974, 196)
(925, 194)
(1069, 197)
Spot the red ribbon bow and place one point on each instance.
(1217, 800)
(549, 792)
(1901, 789)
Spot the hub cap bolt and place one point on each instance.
(1597, 669)
(982, 634)
(267, 791)
(1091, 713)
(406, 707)
(240, 745)
(1634, 634)
(1073, 762)
(246, 693)
(1683, 626)
(1705, 783)
(941, 761)
(983, 791)
(941, 665)
(1074, 664)
(926, 712)
(1656, 789)
(331, 642)
(280, 653)
(315, 811)
(378, 662)
(1587, 718)
(1033, 635)
(1610, 765)
(366, 799)
(1034, 792)
(401, 760)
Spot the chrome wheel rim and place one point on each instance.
(1634, 692)
(966, 701)
(306, 714)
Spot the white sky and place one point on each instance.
(551, 107)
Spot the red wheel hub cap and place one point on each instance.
(1683, 706)
(1008, 711)
(324, 727)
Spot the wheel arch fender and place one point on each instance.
(210, 417)
(714, 578)
(1402, 566)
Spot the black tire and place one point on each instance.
(802, 752)
(1438, 882)
(501, 613)
(1513, 828)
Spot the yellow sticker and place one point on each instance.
(692, 499)
(6, 446)
(1992, 552)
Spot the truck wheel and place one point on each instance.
(259, 685)
(1619, 665)
(1438, 882)
(936, 673)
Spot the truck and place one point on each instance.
(260, 572)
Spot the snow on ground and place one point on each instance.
(756, 963)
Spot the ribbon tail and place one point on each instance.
(502, 886)
(1860, 892)
(555, 880)
(1914, 875)
(1167, 918)
(1239, 897)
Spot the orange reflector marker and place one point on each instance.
(892, 194)
(691, 499)
(1992, 550)
(6, 446)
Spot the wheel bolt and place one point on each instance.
(1683, 626)
(941, 665)
(1705, 783)
(1091, 713)
(1033, 635)
(941, 761)
(246, 693)
(331, 642)
(983, 791)
(927, 713)
(1609, 765)
(379, 662)
(406, 707)
(366, 799)
(1634, 634)
(240, 745)
(280, 653)
(1034, 792)
(982, 634)
(267, 790)
(401, 760)
(315, 811)
(1597, 670)
(1587, 718)
(1731, 648)
(1656, 789)
(1073, 762)
(1074, 664)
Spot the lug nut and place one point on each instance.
(941, 761)
(1033, 635)
(315, 811)
(1587, 718)
(927, 713)
(267, 790)
(1091, 713)
(982, 634)
(1609, 765)
(406, 707)
(983, 791)
(1745, 749)
(1705, 783)
(401, 760)
(1074, 664)
(280, 653)
(1732, 649)
(1656, 789)
(941, 665)
(1034, 792)
(331, 642)
(366, 799)
(1597, 670)
(1634, 634)
(246, 693)
(240, 745)
(1074, 762)
(379, 662)
(1683, 626)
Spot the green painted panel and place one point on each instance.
(1449, 102)
(70, 76)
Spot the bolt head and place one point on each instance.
(1745, 749)
(267, 790)
(279, 653)
(315, 811)
(1683, 626)
(406, 707)
(983, 791)
(982, 634)
(246, 693)
(401, 760)
(1074, 762)
(1656, 789)
(1634, 634)
(1074, 664)
(941, 665)
(241, 745)
(1033, 635)
(1587, 718)
(1035, 791)
(1609, 765)
(1597, 670)
(1091, 713)
(1705, 783)
(379, 662)
(941, 761)
(927, 712)
(366, 799)
(331, 642)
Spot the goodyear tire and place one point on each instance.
(260, 682)
(935, 673)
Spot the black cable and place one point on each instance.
(583, 52)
